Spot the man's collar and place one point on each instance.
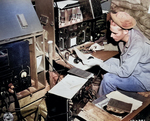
(129, 41)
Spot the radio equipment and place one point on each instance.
(15, 65)
(99, 24)
(66, 107)
(79, 23)
(74, 35)
(91, 9)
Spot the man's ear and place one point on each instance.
(126, 31)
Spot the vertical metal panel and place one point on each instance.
(9, 23)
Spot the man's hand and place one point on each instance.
(93, 62)
(96, 47)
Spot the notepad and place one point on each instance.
(68, 86)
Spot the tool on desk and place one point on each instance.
(90, 57)
(67, 54)
(77, 59)
(82, 56)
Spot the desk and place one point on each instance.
(90, 110)
(104, 55)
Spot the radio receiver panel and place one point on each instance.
(79, 23)
(74, 35)
(15, 65)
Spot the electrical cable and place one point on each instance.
(54, 70)
(17, 107)
(37, 118)
(50, 64)
(59, 53)
(6, 99)
(3, 94)
(96, 76)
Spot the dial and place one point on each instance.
(23, 74)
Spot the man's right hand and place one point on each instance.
(93, 62)
(95, 47)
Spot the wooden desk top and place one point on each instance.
(104, 55)
(92, 113)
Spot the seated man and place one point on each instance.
(131, 72)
